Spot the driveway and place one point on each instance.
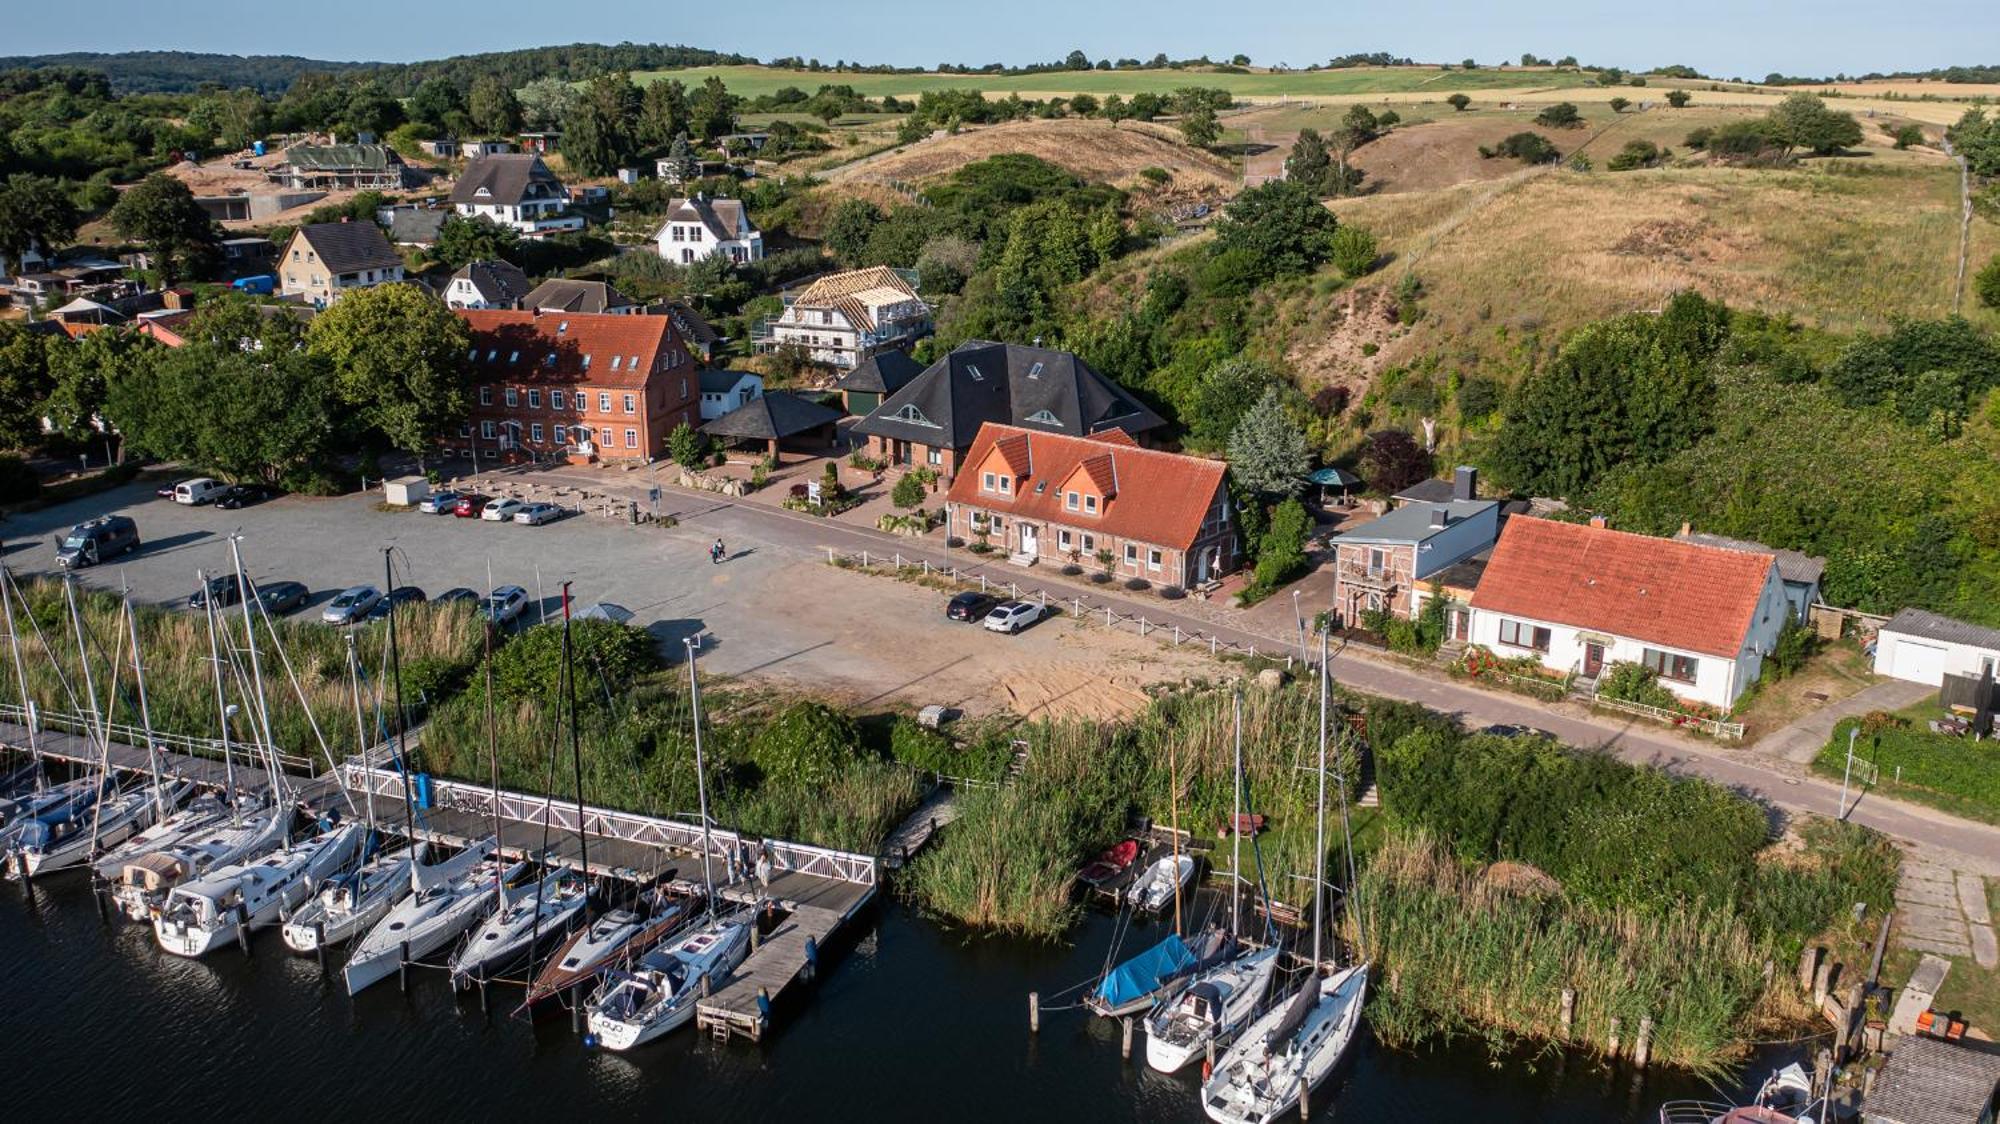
(1802, 740)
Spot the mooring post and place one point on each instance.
(1809, 967)
(243, 932)
(319, 944)
(1034, 1012)
(103, 911)
(1611, 1048)
(403, 967)
(1568, 1010)
(1642, 1050)
(576, 1020)
(755, 940)
(1305, 1097)
(1125, 1038)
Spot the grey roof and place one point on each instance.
(561, 294)
(723, 217)
(1433, 490)
(1412, 523)
(331, 157)
(717, 380)
(348, 246)
(1931, 1081)
(500, 283)
(694, 327)
(506, 177)
(1031, 387)
(1930, 626)
(884, 372)
(770, 416)
(416, 226)
(1462, 574)
(1793, 566)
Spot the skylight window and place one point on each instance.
(1044, 417)
(513, 357)
(973, 370)
(586, 362)
(614, 362)
(1035, 371)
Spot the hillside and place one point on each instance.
(154, 72)
(1097, 151)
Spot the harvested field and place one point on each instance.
(1094, 150)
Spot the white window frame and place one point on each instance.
(485, 395)
(631, 438)
(534, 399)
(487, 431)
(631, 403)
(603, 401)
(1154, 559)
(513, 397)
(1527, 637)
(535, 432)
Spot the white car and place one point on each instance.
(351, 605)
(199, 491)
(501, 511)
(506, 603)
(536, 514)
(1012, 616)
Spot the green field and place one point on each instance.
(752, 81)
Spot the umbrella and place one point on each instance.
(606, 611)
(1331, 477)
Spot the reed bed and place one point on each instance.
(305, 668)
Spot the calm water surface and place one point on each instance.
(912, 1023)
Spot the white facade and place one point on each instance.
(1921, 659)
(462, 293)
(530, 216)
(827, 336)
(746, 389)
(1715, 680)
(687, 237)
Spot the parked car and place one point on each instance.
(401, 595)
(536, 514)
(87, 544)
(282, 597)
(501, 510)
(469, 506)
(201, 490)
(351, 605)
(970, 606)
(1013, 616)
(244, 495)
(221, 591)
(166, 491)
(506, 603)
(439, 503)
(455, 595)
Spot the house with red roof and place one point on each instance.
(1581, 597)
(1095, 501)
(576, 386)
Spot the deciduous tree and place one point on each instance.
(492, 106)
(1199, 127)
(397, 358)
(161, 212)
(1458, 102)
(35, 213)
(1281, 222)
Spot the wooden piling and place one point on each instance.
(1822, 983)
(243, 937)
(1034, 1012)
(1642, 1050)
(403, 967)
(1809, 968)
(1125, 1038)
(1305, 1097)
(319, 945)
(1611, 1047)
(1568, 1010)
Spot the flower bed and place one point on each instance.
(1524, 674)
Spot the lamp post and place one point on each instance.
(1298, 616)
(1847, 770)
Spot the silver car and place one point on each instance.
(506, 603)
(351, 605)
(536, 514)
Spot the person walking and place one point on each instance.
(715, 553)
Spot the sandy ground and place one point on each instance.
(1094, 150)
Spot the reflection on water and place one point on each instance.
(912, 1023)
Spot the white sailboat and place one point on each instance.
(204, 811)
(1273, 1068)
(209, 912)
(616, 937)
(349, 904)
(444, 901)
(45, 848)
(252, 829)
(633, 1008)
(531, 914)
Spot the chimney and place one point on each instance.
(1465, 483)
(1440, 517)
(1687, 529)
(1598, 522)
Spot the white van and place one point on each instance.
(198, 491)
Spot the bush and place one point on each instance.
(1562, 115)
(1697, 139)
(529, 667)
(908, 492)
(1528, 148)
(932, 752)
(1679, 99)
(1354, 251)
(807, 743)
(1636, 683)
(1796, 645)
(1987, 283)
(688, 448)
(1909, 135)
(1956, 774)
(1637, 154)
(1282, 553)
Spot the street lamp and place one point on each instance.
(1298, 616)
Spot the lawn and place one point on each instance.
(1834, 672)
(1957, 775)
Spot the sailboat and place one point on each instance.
(611, 939)
(1273, 1068)
(207, 913)
(1222, 1000)
(633, 1008)
(445, 900)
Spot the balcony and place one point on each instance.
(1361, 574)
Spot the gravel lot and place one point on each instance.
(774, 611)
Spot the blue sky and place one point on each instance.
(1747, 38)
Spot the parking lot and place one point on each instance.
(771, 611)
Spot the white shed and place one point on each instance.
(1924, 647)
(405, 491)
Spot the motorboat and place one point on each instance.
(620, 936)
(1288, 1051)
(1115, 861)
(349, 903)
(144, 883)
(1153, 889)
(204, 811)
(207, 913)
(1216, 1006)
(44, 848)
(633, 1008)
(1786, 1097)
(1157, 974)
(444, 901)
(542, 911)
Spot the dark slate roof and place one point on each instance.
(716, 380)
(885, 372)
(694, 327)
(1930, 626)
(778, 414)
(1030, 387)
(1793, 566)
(1930, 1081)
(416, 226)
(348, 246)
(561, 294)
(508, 178)
(499, 282)
(1426, 491)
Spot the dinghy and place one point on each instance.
(1152, 890)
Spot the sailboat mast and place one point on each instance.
(360, 728)
(700, 774)
(221, 706)
(1174, 824)
(280, 785)
(493, 741)
(1236, 822)
(402, 716)
(1319, 826)
(82, 652)
(575, 747)
(7, 590)
(145, 712)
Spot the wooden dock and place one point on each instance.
(789, 955)
(61, 744)
(922, 826)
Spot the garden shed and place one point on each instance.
(1923, 647)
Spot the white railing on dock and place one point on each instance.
(823, 862)
(85, 726)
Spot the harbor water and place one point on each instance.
(910, 1022)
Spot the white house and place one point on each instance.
(1579, 598)
(515, 189)
(701, 227)
(842, 319)
(1924, 647)
(724, 392)
(487, 284)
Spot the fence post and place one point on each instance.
(829, 556)
(982, 583)
(1076, 608)
(927, 567)
(1177, 636)
(1211, 645)
(899, 561)
(1107, 616)
(1142, 626)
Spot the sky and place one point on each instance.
(1743, 38)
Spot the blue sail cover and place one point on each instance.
(1141, 975)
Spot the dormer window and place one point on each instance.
(1090, 504)
(1006, 485)
(1071, 501)
(482, 192)
(910, 413)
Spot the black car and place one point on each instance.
(452, 596)
(282, 597)
(970, 606)
(401, 595)
(244, 495)
(222, 591)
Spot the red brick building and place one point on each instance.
(575, 386)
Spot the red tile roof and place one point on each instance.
(1676, 594)
(601, 350)
(1115, 437)
(1161, 497)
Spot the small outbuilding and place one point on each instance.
(875, 378)
(1923, 647)
(1931, 1081)
(405, 491)
(775, 419)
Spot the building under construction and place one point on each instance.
(340, 167)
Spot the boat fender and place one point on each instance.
(1207, 1070)
(812, 953)
(763, 1005)
(590, 1041)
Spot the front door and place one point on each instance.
(1461, 626)
(1593, 659)
(1028, 544)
